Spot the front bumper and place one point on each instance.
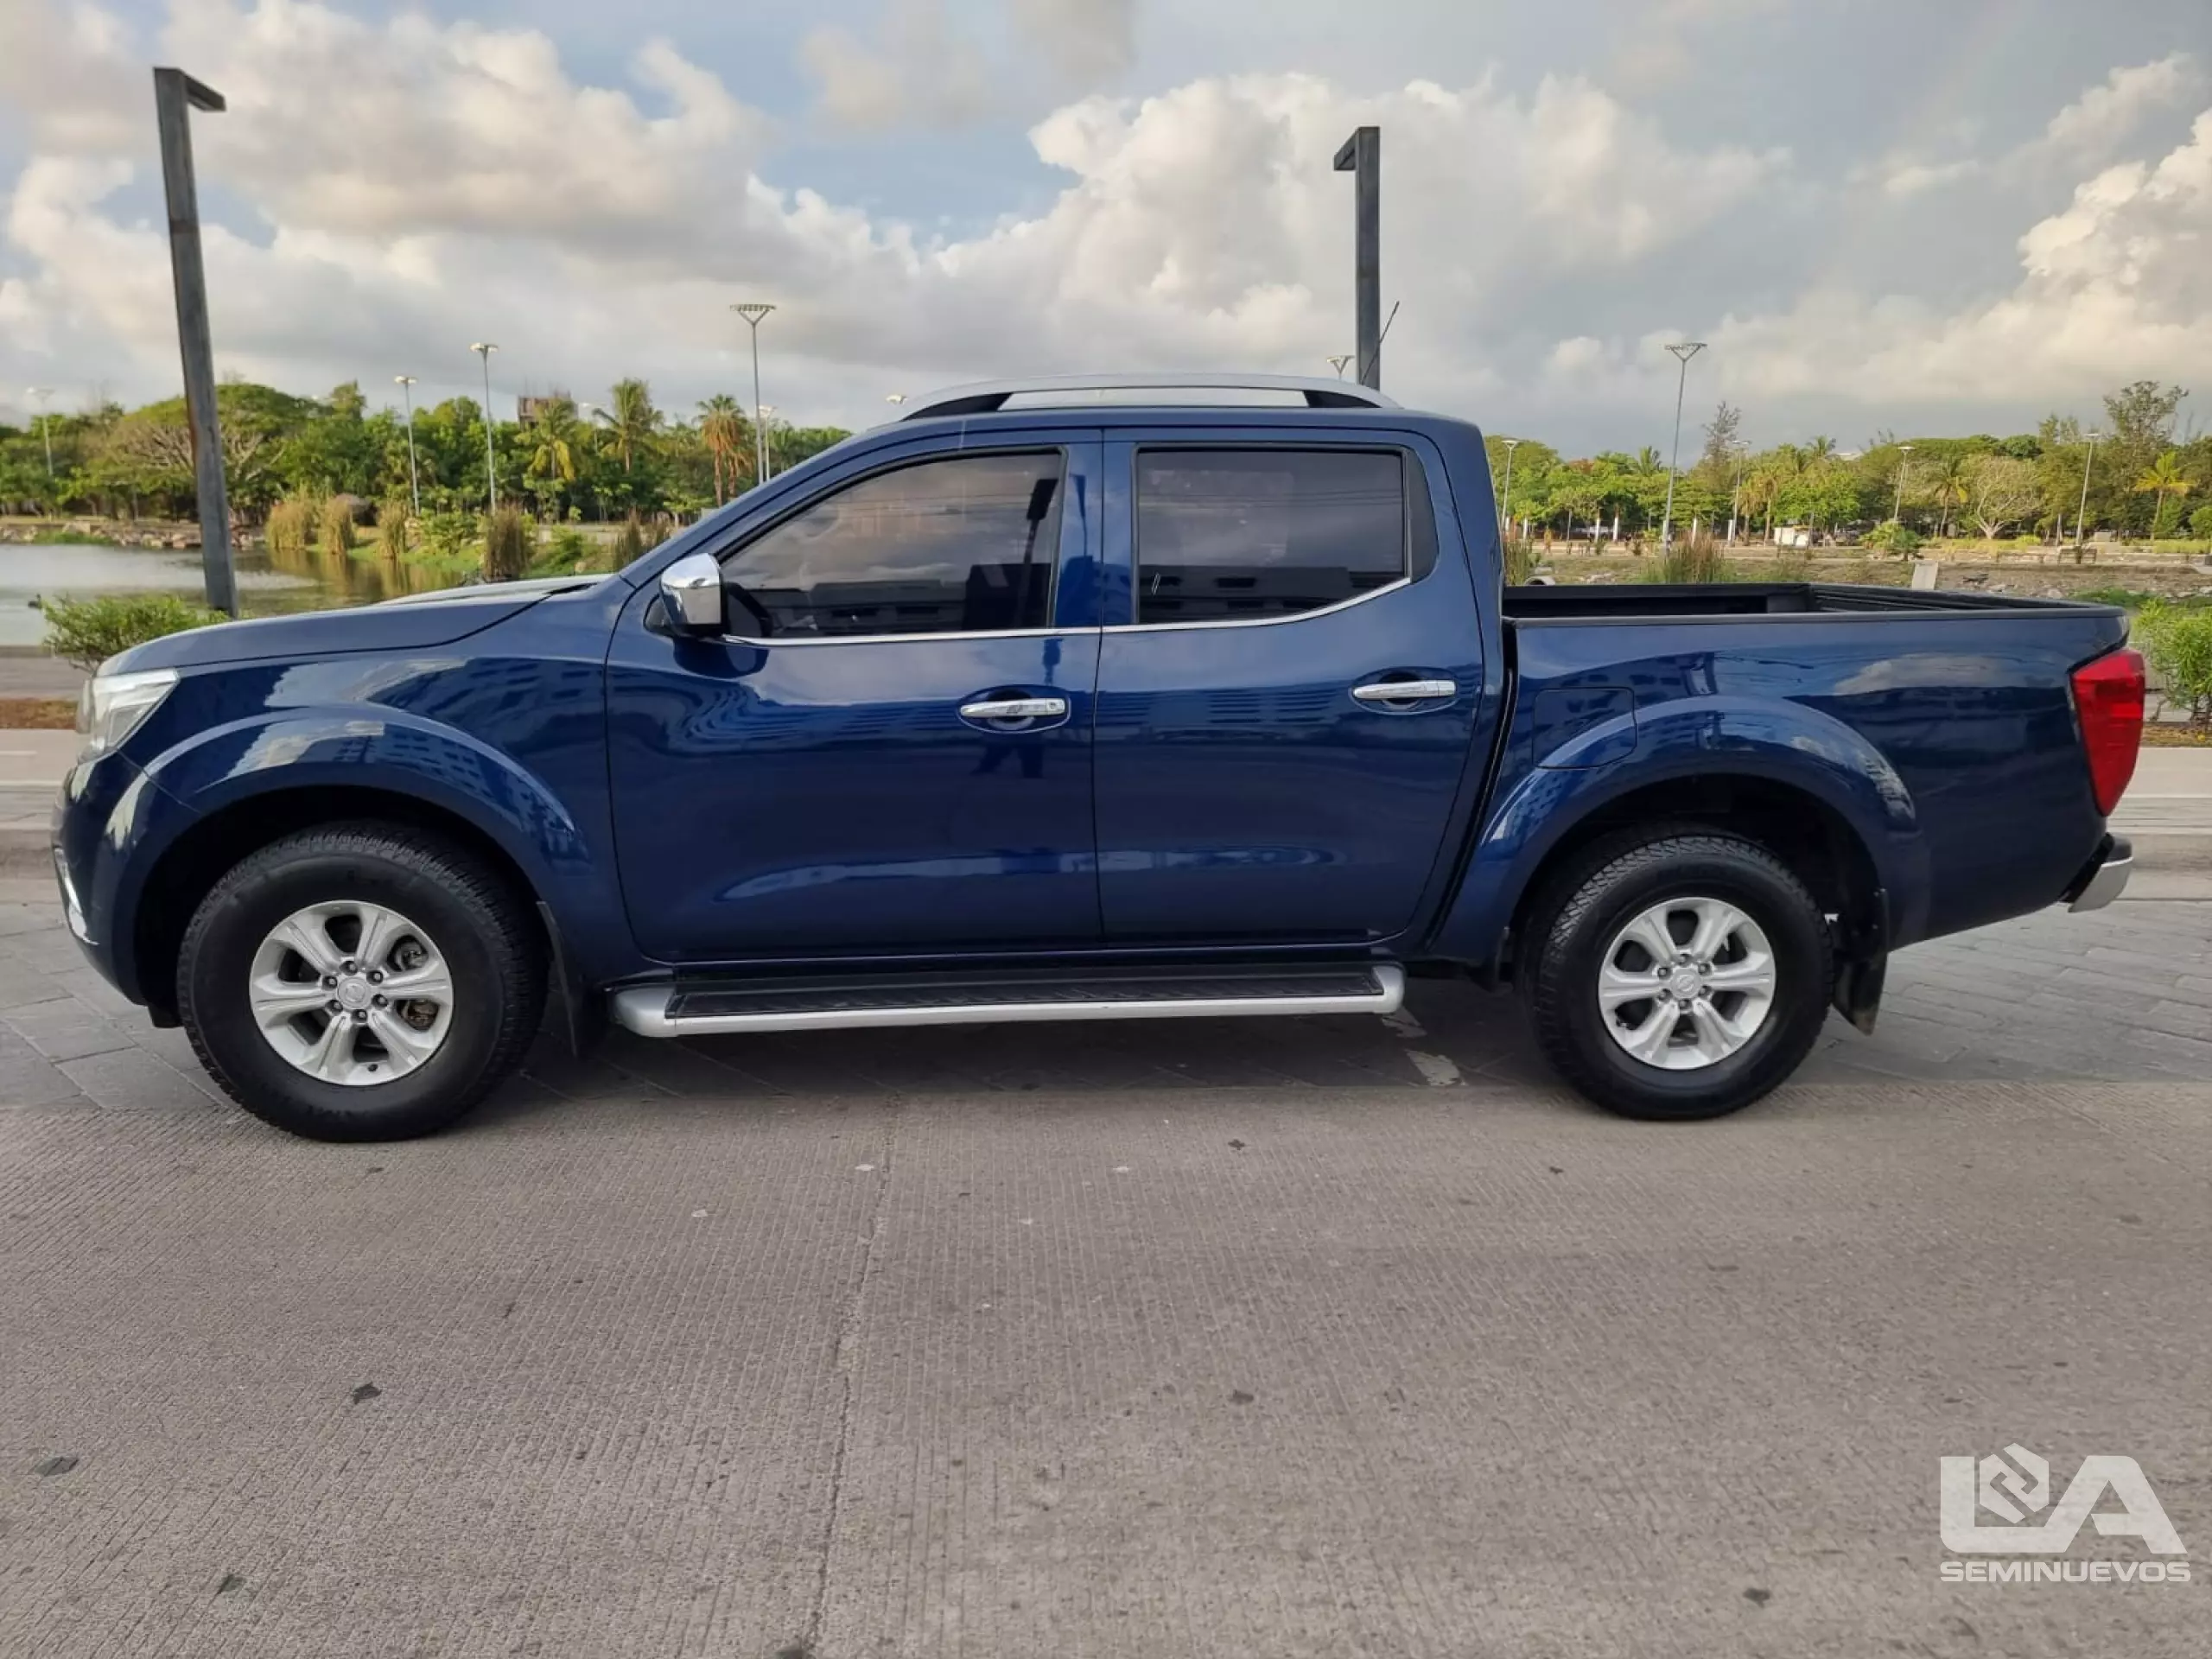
(2104, 878)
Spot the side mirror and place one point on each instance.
(691, 593)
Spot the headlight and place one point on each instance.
(113, 705)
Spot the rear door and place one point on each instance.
(1289, 687)
(889, 752)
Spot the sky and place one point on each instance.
(1885, 215)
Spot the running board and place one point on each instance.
(693, 1008)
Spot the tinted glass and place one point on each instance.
(1264, 533)
(956, 546)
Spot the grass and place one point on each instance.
(66, 537)
(37, 714)
(2166, 736)
(2134, 599)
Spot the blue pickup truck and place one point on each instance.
(1078, 700)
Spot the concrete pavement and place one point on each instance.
(1326, 1337)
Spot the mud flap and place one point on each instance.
(583, 1010)
(1858, 990)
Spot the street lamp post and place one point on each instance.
(1506, 496)
(1683, 352)
(406, 385)
(484, 348)
(2081, 512)
(762, 414)
(753, 311)
(1904, 460)
(175, 96)
(38, 394)
(1736, 493)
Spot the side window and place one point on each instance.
(1225, 533)
(962, 545)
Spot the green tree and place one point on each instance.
(553, 436)
(2163, 478)
(728, 437)
(631, 420)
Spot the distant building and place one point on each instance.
(530, 406)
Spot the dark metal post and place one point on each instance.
(175, 96)
(1362, 156)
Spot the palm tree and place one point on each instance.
(2165, 478)
(1951, 487)
(553, 433)
(1821, 448)
(723, 430)
(631, 420)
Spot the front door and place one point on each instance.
(889, 753)
(1289, 690)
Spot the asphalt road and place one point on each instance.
(1278, 1338)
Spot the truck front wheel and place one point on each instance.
(1677, 973)
(361, 982)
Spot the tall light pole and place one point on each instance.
(1736, 494)
(1362, 156)
(2082, 513)
(175, 96)
(1683, 352)
(406, 385)
(39, 395)
(762, 414)
(484, 348)
(1904, 460)
(753, 311)
(1505, 496)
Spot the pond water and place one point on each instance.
(313, 580)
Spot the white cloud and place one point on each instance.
(2117, 285)
(409, 185)
(2096, 124)
(922, 69)
(1203, 226)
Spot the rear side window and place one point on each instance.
(962, 545)
(1231, 533)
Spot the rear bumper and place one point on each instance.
(2104, 877)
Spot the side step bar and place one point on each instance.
(693, 1008)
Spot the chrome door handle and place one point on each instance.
(1016, 708)
(1405, 690)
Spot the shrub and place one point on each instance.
(567, 551)
(67, 536)
(452, 538)
(629, 542)
(287, 529)
(2178, 642)
(395, 528)
(334, 523)
(1893, 537)
(508, 544)
(2200, 524)
(1692, 559)
(88, 632)
(1520, 556)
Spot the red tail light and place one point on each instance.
(2108, 696)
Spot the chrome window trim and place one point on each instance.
(1260, 621)
(1405, 457)
(781, 641)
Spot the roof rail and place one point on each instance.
(1067, 390)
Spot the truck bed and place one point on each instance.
(1641, 602)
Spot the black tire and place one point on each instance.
(1584, 909)
(485, 931)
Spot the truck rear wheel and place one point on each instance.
(361, 982)
(1677, 973)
